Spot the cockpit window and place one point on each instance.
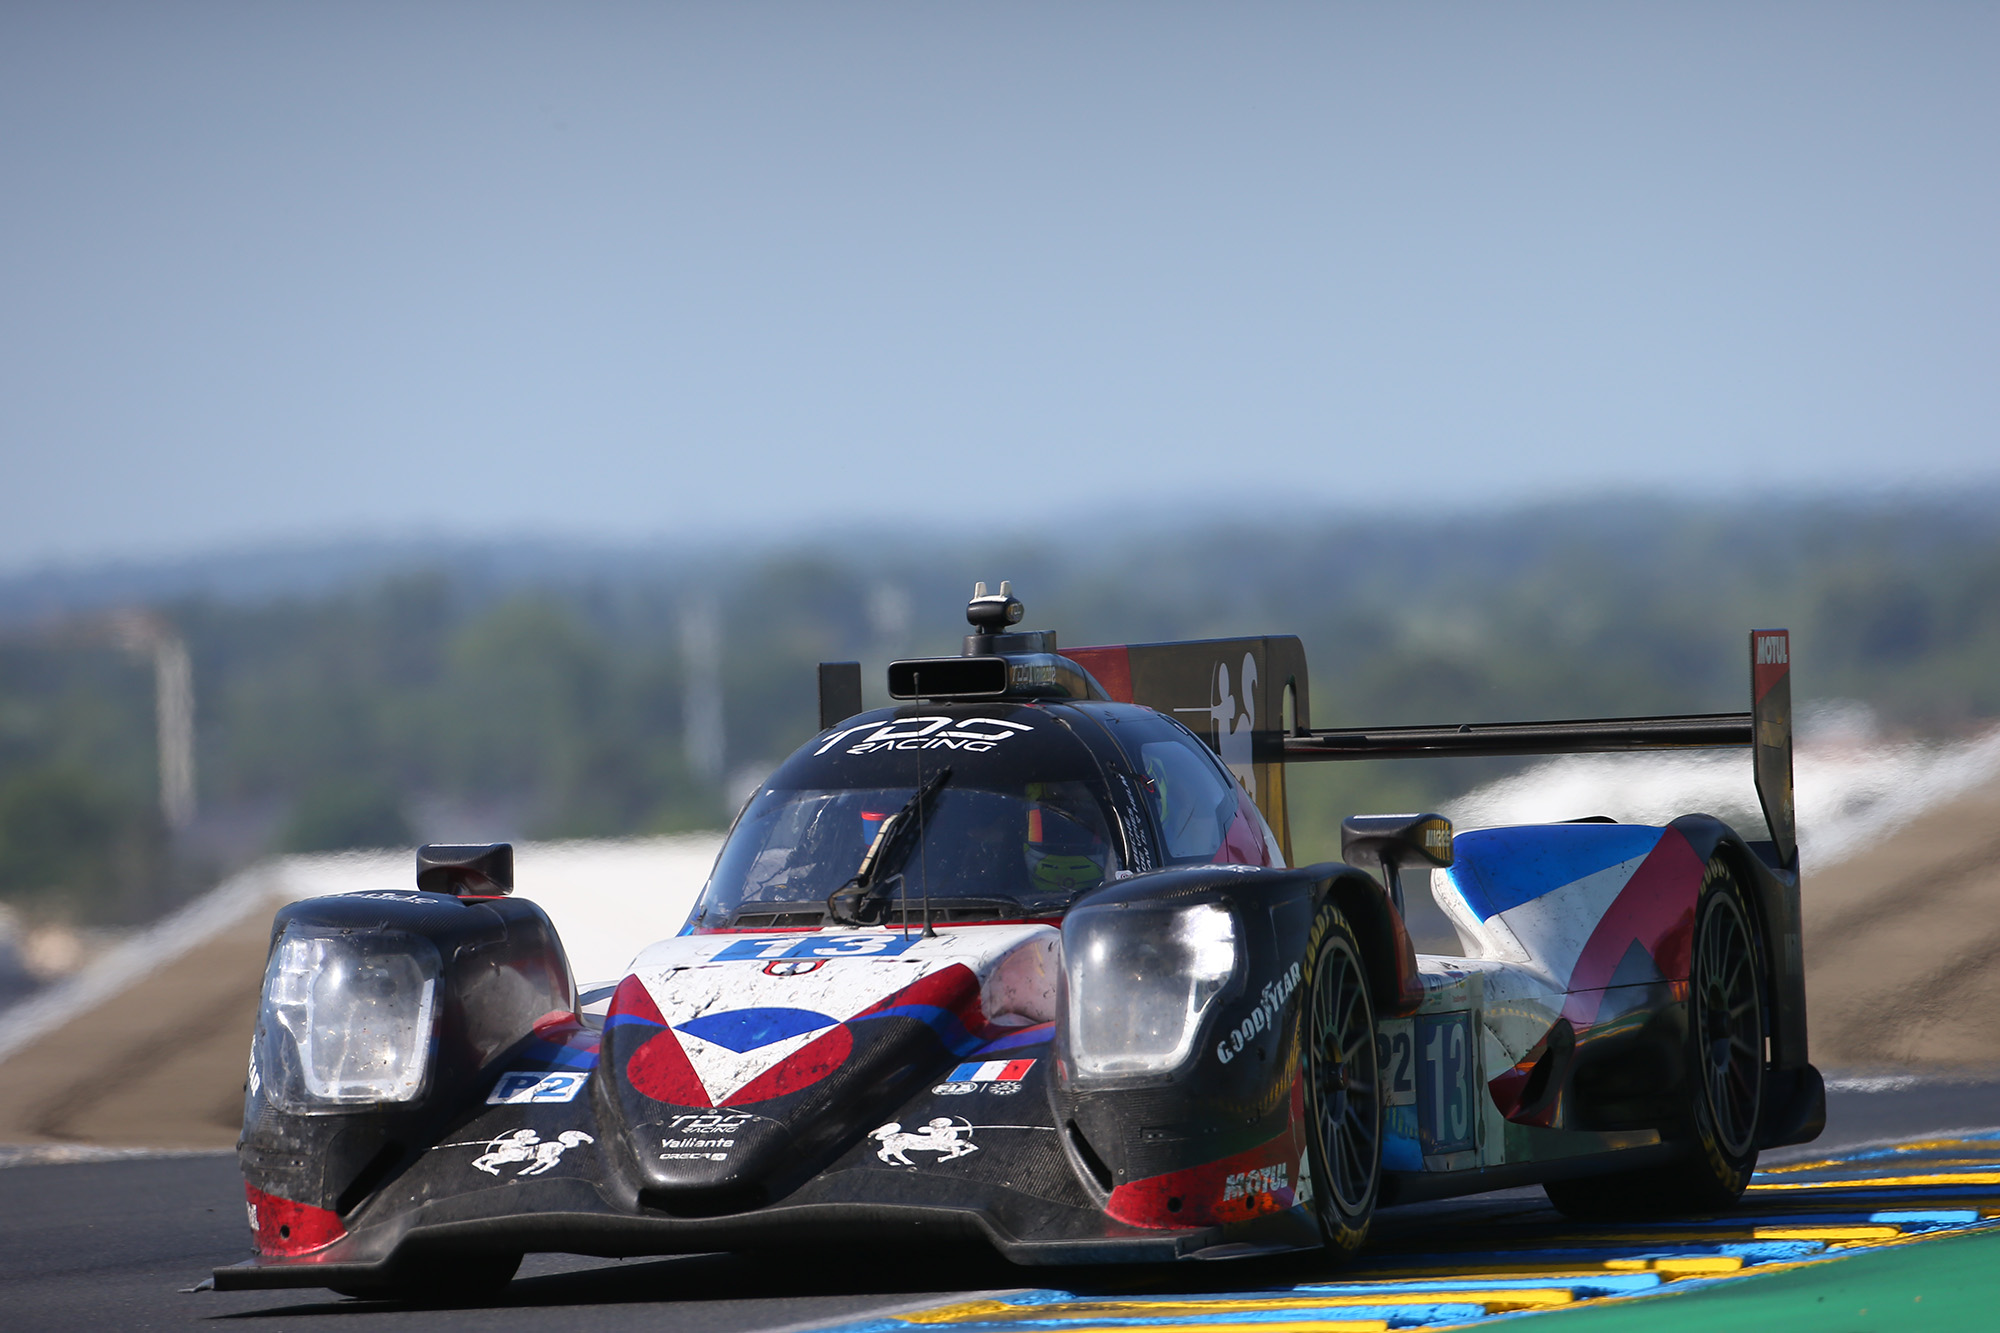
(985, 854)
(1195, 807)
(1203, 814)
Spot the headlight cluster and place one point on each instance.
(346, 1019)
(1141, 978)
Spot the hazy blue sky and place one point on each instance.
(293, 270)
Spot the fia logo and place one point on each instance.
(793, 967)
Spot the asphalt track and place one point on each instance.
(113, 1244)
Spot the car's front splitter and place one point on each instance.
(551, 1220)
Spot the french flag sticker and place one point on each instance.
(992, 1071)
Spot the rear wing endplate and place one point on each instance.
(1771, 709)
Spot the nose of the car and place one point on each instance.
(724, 1109)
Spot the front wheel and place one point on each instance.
(1344, 1104)
(1725, 1074)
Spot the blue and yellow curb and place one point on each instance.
(1794, 1216)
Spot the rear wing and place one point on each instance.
(1248, 698)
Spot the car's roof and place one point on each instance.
(997, 744)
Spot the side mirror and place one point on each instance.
(1396, 841)
(476, 870)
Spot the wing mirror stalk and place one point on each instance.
(1396, 841)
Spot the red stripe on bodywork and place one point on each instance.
(287, 1228)
(801, 1069)
(1656, 908)
(662, 1071)
(632, 999)
(1193, 1197)
(559, 1027)
(1243, 845)
(954, 989)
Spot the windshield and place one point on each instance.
(985, 854)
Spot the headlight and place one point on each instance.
(1141, 978)
(346, 1019)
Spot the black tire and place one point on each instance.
(443, 1280)
(1725, 1074)
(1344, 1089)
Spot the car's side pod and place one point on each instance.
(483, 972)
(1794, 1107)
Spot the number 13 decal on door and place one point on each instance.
(1444, 1083)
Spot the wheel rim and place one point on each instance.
(1345, 1081)
(1729, 1020)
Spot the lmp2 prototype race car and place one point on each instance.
(1022, 959)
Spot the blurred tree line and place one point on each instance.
(447, 703)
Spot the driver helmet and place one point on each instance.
(1063, 856)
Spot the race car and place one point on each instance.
(1022, 960)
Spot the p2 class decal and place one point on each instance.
(1396, 1054)
(793, 967)
(524, 1148)
(523, 1086)
(977, 735)
(790, 947)
(1445, 1082)
(945, 1136)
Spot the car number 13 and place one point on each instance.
(816, 946)
(1444, 1083)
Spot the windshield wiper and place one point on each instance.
(860, 901)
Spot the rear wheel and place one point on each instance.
(1725, 1074)
(1344, 1103)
